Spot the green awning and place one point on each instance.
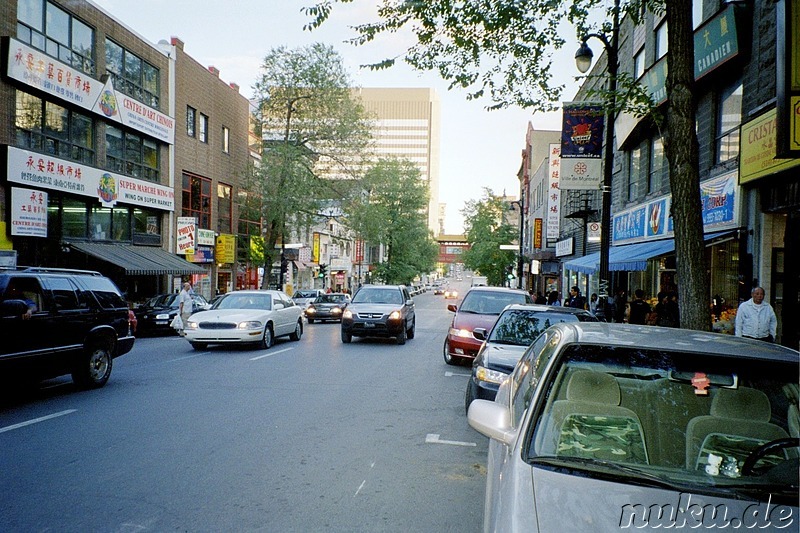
(139, 260)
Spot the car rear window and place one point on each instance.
(105, 291)
(491, 302)
(521, 327)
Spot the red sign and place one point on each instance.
(359, 251)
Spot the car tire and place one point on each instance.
(310, 320)
(94, 367)
(413, 329)
(268, 339)
(402, 336)
(346, 337)
(298, 331)
(449, 359)
(470, 395)
(199, 345)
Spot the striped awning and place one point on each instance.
(138, 260)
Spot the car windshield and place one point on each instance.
(687, 420)
(490, 302)
(521, 326)
(164, 300)
(378, 296)
(304, 294)
(331, 299)
(245, 301)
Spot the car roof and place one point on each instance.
(486, 288)
(255, 291)
(542, 308)
(674, 339)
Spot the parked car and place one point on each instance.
(380, 311)
(304, 297)
(254, 317)
(58, 321)
(516, 328)
(327, 307)
(608, 426)
(156, 314)
(479, 309)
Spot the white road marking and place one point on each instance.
(371, 466)
(270, 354)
(451, 374)
(181, 358)
(37, 420)
(433, 438)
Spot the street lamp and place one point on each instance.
(583, 60)
(521, 204)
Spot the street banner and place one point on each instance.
(553, 192)
(582, 146)
(187, 228)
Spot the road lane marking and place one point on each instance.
(270, 354)
(37, 420)
(433, 438)
(371, 466)
(451, 374)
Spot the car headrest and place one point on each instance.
(595, 387)
(742, 403)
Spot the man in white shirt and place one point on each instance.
(756, 319)
(185, 302)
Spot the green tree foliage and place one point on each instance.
(315, 138)
(390, 209)
(485, 222)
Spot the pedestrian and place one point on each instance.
(185, 304)
(639, 309)
(576, 300)
(756, 319)
(664, 311)
(552, 298)
(620, 306)
(540, 298)
(593, 301)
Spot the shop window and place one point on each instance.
(50, 128)
(729, 118)
(131, 154)
(132, 75)
(46, 27)
(191, 118)
(110, 224)
(225, 208)
(73, 218)
(196, 199)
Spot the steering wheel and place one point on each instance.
(767, 448)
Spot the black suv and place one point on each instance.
(380, 311)
(58, 321)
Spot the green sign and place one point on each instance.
(715, 42)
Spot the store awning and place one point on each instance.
(139, 260)
(632, 257)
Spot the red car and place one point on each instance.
(479, 309)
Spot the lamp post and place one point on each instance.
(583, 60)
(521, 204)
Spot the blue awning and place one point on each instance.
(630, 257)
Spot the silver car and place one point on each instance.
(603, 427)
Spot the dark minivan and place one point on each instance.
(58, 321)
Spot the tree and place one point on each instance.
(390, 209)
(487, 229)
(503, 51)
(315, 134)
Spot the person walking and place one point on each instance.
(593, 301)
(639, 309)
(756, 319)
(665, 316)
(185, 304)
(620, 306)
(576, 300)
(552, 298)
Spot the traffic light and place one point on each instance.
(323, 270)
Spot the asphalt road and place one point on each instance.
(306, 436)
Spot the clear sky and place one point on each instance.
(479, 148)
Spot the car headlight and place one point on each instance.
(460, 332)
(347, 314)
(394, 315)
(191, 324)
(490, 376)
(310, 310)
(250, 324)
(336, 310)
(162, 316)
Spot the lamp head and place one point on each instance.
(583, 58)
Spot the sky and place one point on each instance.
(479, 148)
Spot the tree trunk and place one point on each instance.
(682, 152)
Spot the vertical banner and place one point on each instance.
(553, 192)
(315, 248)
(582, 146)
(359, 251)
(28, 212)
(537, 233)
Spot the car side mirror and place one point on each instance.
(452, 307)
(480, 333)
(278, 305)
(13, 308)
(492, 420)
(409, 302)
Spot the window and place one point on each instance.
(225, 208)
(196, 197)
(729, 118)
(697, 13)
(74, 220)
(203, 128)
(57, 33)
(131, 154)
(191, 117)
(658, 168)
(661, 41)
(132, 75)
(638, 64)
(226, 134)
(49, 128)
(146, 222)
(636, 171)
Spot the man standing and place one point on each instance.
(185, 303)
(756, 319)
(575, 299)
(639, 309)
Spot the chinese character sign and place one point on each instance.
(553, 192)
(28, 212)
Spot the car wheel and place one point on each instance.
(412, 330)
(446, 353)
(268, 339)
(310, 320)
(298, 331)
(94, 367)
(199, 345)
(346, 337)
(470, 396)
(402, 336)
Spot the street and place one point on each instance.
(306, 436)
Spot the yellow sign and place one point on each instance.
(794, 124)
(315, 249)
(758, 149)
(226, 248)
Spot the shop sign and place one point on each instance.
(46, 172)
(226, 248)
(758, 149)
(554, 192)
(657, 212)
(565, 247)
(630, 225)
(581, 146)
(315, 249)
(28, 212)
(201, 255)
(206, 237)
(717, 196)
(715, 42)
(537, 233)
(340, 263)
(359, 251)
(186, 240)
(40, 71)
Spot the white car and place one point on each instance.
(303, 297)
(246, 317)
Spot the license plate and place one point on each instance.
(369, 325)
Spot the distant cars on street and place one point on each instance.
(254, 317)
(607, 426)
(327, 307)
(380, 311)
(304, 297)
